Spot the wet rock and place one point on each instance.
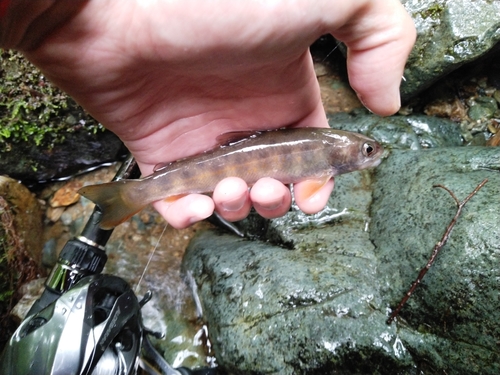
(30, 292)
(451, 108)
(451, 33)
(79, 152)
(54, 214)
(483, 108)
(319, 304)
(278, 311)
(451, 322)
(414, 131)
(313, 309)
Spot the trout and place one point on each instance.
(288, 155)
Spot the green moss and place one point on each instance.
(434, 11)
(32, 109)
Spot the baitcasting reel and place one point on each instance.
(85, 322)
(94, 328)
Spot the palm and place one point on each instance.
(138, 83)
(168, 77)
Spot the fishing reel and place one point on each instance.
(93, 328)
(86, 322)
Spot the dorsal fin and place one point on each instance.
(226, 139)
(159, 166)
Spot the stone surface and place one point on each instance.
(451, 33)
(21, 228)
(400, 132)
(313, 296)
(66, 195)
(78, 153)
(455, 311)
(27, 215)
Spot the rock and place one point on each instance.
(20, 246)
(27, 215)
(79, 152)
(483, 108)
(451, 33)
(44, 134)
(30, 292)
(66, 195)
(496, 96)
(312, 309)
(414, 131)
(54, 214)
(451, 322)
(313, 296)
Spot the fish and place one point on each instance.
(289, 155)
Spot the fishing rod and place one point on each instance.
(86, 322)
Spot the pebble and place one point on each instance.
(66, 195)
(54, 213)
(484, 107)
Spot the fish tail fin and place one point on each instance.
(112, 200)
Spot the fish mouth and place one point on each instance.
(376, 163)
(377, 158)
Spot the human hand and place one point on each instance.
(168, 77)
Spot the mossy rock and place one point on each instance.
(20, 246)
(44, 133)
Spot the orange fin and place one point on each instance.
(173, 198)
(310, 187)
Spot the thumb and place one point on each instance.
(378, 43)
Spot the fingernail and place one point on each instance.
(234, 205)
(272, 205)
(195, 219)
(361, 99)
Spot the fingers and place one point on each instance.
(316, 202)
(379, 43)
(270, 198)
(186, 210)
(232, 199)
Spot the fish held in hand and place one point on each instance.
(287, 155)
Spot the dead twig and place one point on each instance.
(437, 247)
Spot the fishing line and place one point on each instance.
(150, 258)
(333, 50)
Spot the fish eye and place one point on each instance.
(368, 149)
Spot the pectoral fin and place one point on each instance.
(173, 198)
(306, 189)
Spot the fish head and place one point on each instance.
(353, 151)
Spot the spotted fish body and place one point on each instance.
(288, 155)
